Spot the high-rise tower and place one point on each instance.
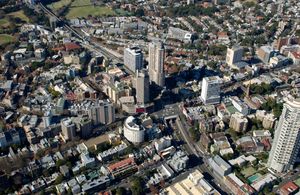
(142, 86)
(156, 63)
(286, 143)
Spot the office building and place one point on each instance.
(210, 92)
(142, 82)
(238, 122)
(133, 130)
(68, 129)
(156, 63)
(234, 55)
(133, 58)
(265, 53)
(286, 143)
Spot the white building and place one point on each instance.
(210, 93)
(286, 144)
(239, 105)
(133, 131)
(234, 55)
(133, 58)
(156, 63)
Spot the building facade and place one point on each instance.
(102, 112)
(286, 143)
(210, 92)
(133, 58)
(68, 129)
(238, 122)
(156, 63)
(142, 82)
(234, 55)
(133, 131)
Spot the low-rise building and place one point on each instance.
(289, 188)
(237, 186)
(123, 168)
(193, 184)
(261, 182)
(91, 186)
(219, 166)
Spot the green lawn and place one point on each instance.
(5, 38)
(4, 22)
(59, 4)
(84, 11)
(248, 171)
(77, 3)
(19, 14)
(297, 182)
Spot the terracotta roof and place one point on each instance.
(58, 48)
(289, 188)
(127, 161)
(296, 55)
(71, 46)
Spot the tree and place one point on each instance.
(59, 179)
(139, 12)
(120, 191)
(137, 186)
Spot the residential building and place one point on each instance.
(289, 188)
(92, 186)
(179, 161)
(123, 168)
(68, 129)
(234, 55)
(237, 186)
(156, 63)
(286, 143)
(133, 58)
(269, 121)
(108, 154)
(238, 122)
(84, 125)
(210, 92)
(260, 183)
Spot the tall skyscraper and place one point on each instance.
(133, 58)
(210, 92)
(142, 86)
(156, 63)
(286, 143)
(234, 55)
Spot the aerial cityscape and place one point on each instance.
(158, 97)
